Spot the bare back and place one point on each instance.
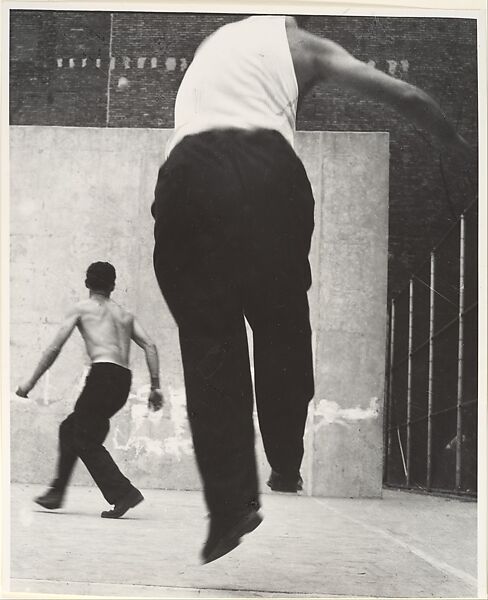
(106, 329)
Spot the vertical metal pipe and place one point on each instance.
(389, 402)
(409, 382)
(460, 360)
(430, 390)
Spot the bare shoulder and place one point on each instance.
(290, 23)
(124, 315)
(310, 53)
(80, 310)
(83, 304)
(77, 309)
(85, 307)
(71, 317)
(315, 45)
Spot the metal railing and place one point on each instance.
(432, 370)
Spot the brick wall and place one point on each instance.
(65, 66)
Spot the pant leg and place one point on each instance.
(220, 404)
(67, 455)
(283, 373)
(196, 262)
(89, 434)
(277, 277)
(82, 434)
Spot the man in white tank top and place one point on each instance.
(233, 216)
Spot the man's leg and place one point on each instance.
(220, 404)
(67, 457)
(82, 435)
(217, 379)
(196, 264)
(105, 393)
(89, 435)
(283, 380)
(276, 279)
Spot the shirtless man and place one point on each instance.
(107, 330)
(233, 213)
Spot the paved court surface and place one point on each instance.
(404, 545)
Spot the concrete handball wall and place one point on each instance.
(80, 195)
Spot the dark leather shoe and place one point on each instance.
(51, 500)
(224, 537)
(280, 483)
(131, 499)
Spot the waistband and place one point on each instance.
(106, 366)
(236, 135)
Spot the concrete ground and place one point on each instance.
(405, 545)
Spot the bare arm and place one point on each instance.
(330, 63)
(51, 353)
(141, 338)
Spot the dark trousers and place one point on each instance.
(82, 433)
(233, 222)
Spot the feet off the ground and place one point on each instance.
(224, 536)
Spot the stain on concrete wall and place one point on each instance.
(328, 412)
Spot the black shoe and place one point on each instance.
(51, 500)
(279, 483)
(131, 499)
(225, 537)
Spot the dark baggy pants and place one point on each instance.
(83, 432)
(233, 222)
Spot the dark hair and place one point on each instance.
(100, 276)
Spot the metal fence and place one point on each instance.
(432, 371)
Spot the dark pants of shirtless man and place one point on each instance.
(233, 223)
(82, 433)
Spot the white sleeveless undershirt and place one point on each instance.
(242, 76)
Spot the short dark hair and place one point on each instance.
(100, 276)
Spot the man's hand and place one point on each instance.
(155, 401)
(23, 389)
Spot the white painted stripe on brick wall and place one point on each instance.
(393, 66)
(170, 63)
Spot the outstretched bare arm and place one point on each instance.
(51, 353)
(329, 62)
(141, 338)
